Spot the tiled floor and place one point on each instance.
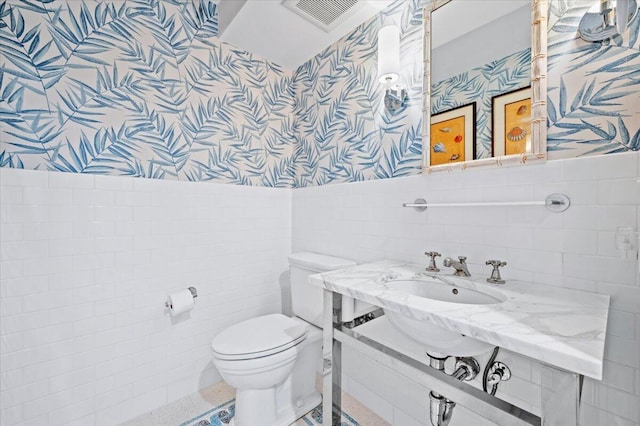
(191, 406)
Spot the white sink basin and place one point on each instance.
(440, 341)
(436, 290)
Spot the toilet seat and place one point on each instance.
(258, 337)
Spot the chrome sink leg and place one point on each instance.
(332, 359)
(561, 392)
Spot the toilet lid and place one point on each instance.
(258, 337)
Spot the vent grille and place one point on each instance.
(330, 14)
(325, 11)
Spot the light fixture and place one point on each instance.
(607, 19)
(389, 67)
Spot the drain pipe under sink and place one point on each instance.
(441, 408)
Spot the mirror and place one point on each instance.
(484, 101)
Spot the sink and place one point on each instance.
(435, 289)
(440, 341)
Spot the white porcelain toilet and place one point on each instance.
(272, 360)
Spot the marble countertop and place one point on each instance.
(560, 327)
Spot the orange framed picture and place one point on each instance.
(453, 135)
(511, 122)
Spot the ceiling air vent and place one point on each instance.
(324, 14)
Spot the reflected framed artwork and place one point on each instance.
(453, 135)
(511, 123)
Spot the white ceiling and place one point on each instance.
(268, 29)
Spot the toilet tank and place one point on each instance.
(306, 299)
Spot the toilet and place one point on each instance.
(272, 360)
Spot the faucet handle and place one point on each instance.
(495, 277)
(462, 259)
(432, 263)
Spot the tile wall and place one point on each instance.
(87, 261)
(86, 265)
(365, 221)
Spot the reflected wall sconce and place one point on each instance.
(607, 19)
(395, 96)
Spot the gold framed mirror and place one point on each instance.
(510, 119)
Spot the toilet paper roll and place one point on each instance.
(180, 301)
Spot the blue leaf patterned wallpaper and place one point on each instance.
(145, 88)
(139, 88)
(594, 88)
(594, 98)
(344, 132)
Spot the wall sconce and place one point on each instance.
(395, 96)
(607, 19)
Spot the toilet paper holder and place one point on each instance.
(194, 294)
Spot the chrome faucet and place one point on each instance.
(459, 265)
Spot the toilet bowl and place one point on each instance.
(257, 357)
(272, 360)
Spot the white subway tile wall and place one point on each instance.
(576, 249)
(86, 265)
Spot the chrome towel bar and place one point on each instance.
(555, 202)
